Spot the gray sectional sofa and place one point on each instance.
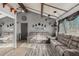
(65, 45)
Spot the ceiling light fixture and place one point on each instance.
(55, 11)
(47, 17)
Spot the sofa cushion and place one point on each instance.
(71, 52)
(69, 41)
(61, 49)
(78, 45)
(67, 36)
(55, 43)
(64, 41)
(75, 38)
(73, 44)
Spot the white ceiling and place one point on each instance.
(36, 7)
(1, 15)
(4, 12)
(65, 6)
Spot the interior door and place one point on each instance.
(24, 32)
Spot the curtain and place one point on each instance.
(70, 27)
(73, 16)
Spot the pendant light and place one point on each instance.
(47, 17)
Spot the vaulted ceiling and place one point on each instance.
(55, 10)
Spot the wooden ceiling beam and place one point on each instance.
(23, 7)
(11, 9)
(4, 4)
(42, 7)
(7, 13)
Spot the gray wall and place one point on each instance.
(7, 21)
(0, 31)
(33, 18)
(7, 31)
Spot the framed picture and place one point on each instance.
(24, 18)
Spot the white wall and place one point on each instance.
(33, 18)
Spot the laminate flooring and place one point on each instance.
(28, 49)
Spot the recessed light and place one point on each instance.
(45, 19)
(48, 14)
(55, 11)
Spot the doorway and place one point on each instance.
(24, 31)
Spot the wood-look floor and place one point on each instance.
(28, 49)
